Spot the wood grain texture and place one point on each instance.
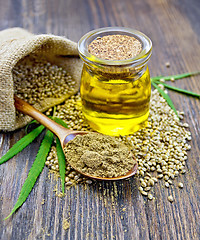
(108, 210)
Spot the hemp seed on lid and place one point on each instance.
(115, 47)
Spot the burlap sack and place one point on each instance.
(15, 44)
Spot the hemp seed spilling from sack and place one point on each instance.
(36, 79)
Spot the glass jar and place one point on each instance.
(115, 93)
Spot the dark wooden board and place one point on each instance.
(108, 210)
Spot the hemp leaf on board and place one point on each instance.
(35, 170)
(39, 161)
(156, 81)
(21, 144)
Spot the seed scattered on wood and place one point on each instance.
(152, 168)
(150, 196)
(160, 176)
(71, 175)
(151, 182)
(176, 173)
(143, 184)
(170, 198)
(68, 183)
(141, 173)
(180, 185)
(147, 189)
(76, 177)
(172, 176)
(169, 181)
(166, 178)
(162, 80)
(155, 179)
(140, 189)
(144, 193)
(88, 181)
(67, 179)
(166, 184)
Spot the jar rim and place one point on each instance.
(140, 59)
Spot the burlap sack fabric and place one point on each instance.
(15, 44)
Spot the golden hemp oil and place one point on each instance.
(115, 106)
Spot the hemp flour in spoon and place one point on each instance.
(99, 155)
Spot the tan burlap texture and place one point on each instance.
(17, 43)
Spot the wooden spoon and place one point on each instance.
(64, 134)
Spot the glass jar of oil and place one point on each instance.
(115, 93)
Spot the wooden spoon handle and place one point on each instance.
(27, 109)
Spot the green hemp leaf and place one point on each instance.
(166, 97)
(157, 80)
(61, 163)
(176, 77)
(61, 156)
(35, 170)
(21, 144)
(179, 89)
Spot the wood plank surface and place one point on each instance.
(108, 210)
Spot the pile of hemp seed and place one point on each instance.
(160, 148)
